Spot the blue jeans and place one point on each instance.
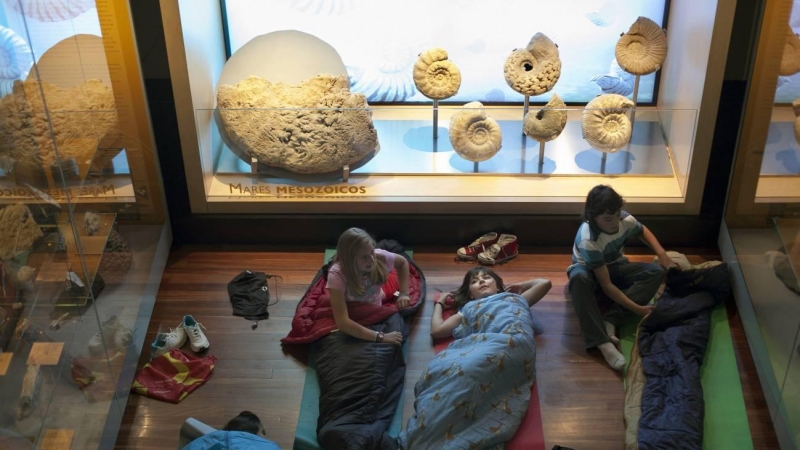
(639, 281)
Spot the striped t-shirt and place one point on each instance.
(596, 249)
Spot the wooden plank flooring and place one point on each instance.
(581, 398)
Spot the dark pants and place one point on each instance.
(639, 281)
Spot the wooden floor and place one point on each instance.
(581, 398)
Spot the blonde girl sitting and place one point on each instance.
(362, 273)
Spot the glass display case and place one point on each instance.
(83, 229)
(660, 170)
(414, 157)
(760, 234)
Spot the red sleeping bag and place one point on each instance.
(314, 316)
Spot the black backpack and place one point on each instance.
(249, 294)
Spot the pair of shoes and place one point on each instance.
(471, 252)
(504, 249)
(188, 329)
(116, 337)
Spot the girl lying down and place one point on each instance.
(475, 393)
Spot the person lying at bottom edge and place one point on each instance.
(362, 273)
(475, 393)
(240, 433)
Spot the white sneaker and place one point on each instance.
(194, 330)
(116, 337)
(165, 342)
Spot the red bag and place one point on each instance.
(93, 375)
(172, 376)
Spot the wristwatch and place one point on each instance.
(378, 337)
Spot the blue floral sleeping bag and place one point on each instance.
(474, 394)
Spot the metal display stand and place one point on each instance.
(541, 156)
(525, 108)
(436, 119)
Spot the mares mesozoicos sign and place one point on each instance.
(280, 190)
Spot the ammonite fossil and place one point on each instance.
(51, 10)
(605, 122)
(435, 76)
(547, 123)
(16, 59)
(643, 48)
(475, 136)
(535, 69)
(790, 62)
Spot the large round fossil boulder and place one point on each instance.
(284, 99)
(317, 126)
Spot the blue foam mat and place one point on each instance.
(305, 436)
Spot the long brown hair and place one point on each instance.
(350, 243)
(461, 295)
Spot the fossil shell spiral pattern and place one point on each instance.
(15, 59)
(535, 69)
(604, 14)
(643, 48)
(796, 108)
(380, 86)
(616, 81)
(475, 136)
(51, 10)
(314, 127)
(790, 62)
(322, 7)
(389, 78)
(435, 76)
(605, 122)
(495, 95)
(547, 123)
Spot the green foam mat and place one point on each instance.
(725, 425)
(305, 437)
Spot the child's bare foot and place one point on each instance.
(611, 332)
(613, 357)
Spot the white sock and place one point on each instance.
(610, 331)
(613, 357)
